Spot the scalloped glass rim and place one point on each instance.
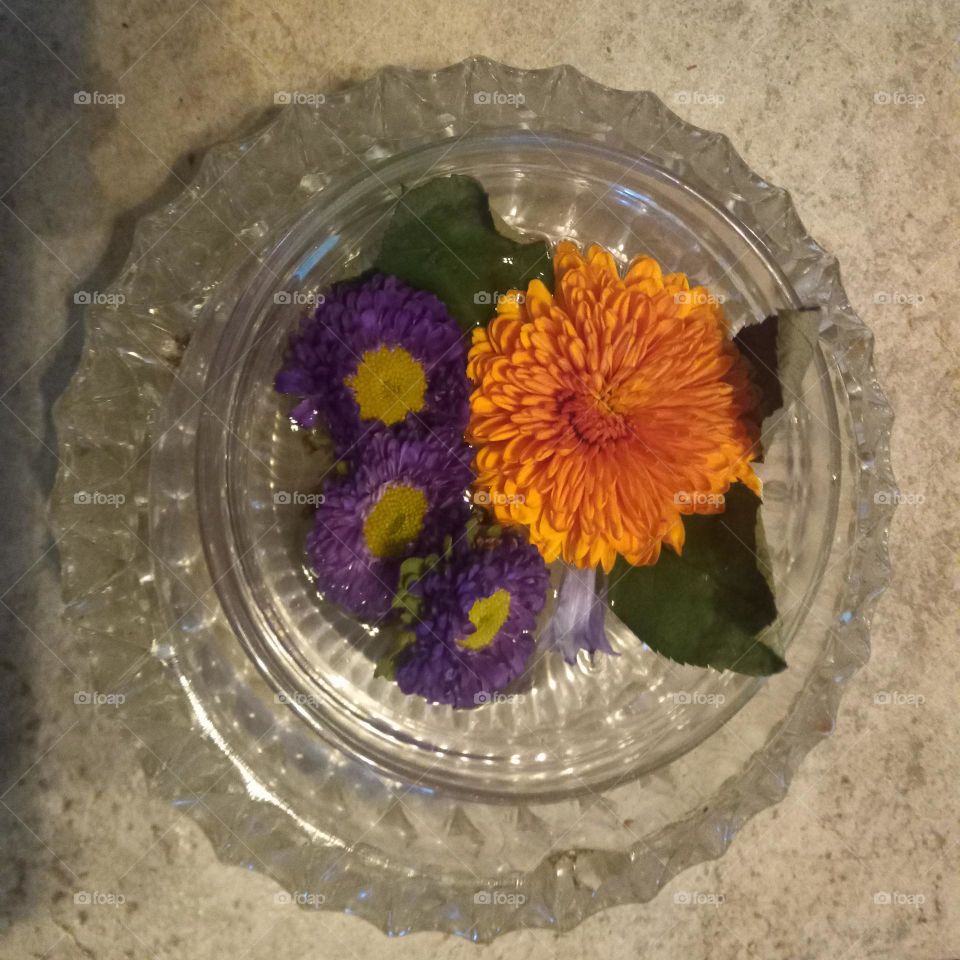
(103, 424)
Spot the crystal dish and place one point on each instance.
(255, 702)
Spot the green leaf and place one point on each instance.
(443, 238)
(388, 663)
(707, 606)
(779, 350)
(412, 569)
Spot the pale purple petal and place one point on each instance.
(577, 621)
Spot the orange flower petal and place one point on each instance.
(609, 408)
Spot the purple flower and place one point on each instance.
(403, 496)
(377, 352)
(472, 628)
(577, 621)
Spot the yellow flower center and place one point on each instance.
(395, 521)
(488, 615)
(389, 384)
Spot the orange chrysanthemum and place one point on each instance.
(605, 411)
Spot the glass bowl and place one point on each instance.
(565, 731)
(255, 701)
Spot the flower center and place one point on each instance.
(594, 417)
(389, 384)
(395, 521)
(488, 615)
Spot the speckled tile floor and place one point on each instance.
(853, 107)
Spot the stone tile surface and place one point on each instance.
(854, 107)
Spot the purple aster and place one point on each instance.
(377, 352)
(403, 496)
(472, 630)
